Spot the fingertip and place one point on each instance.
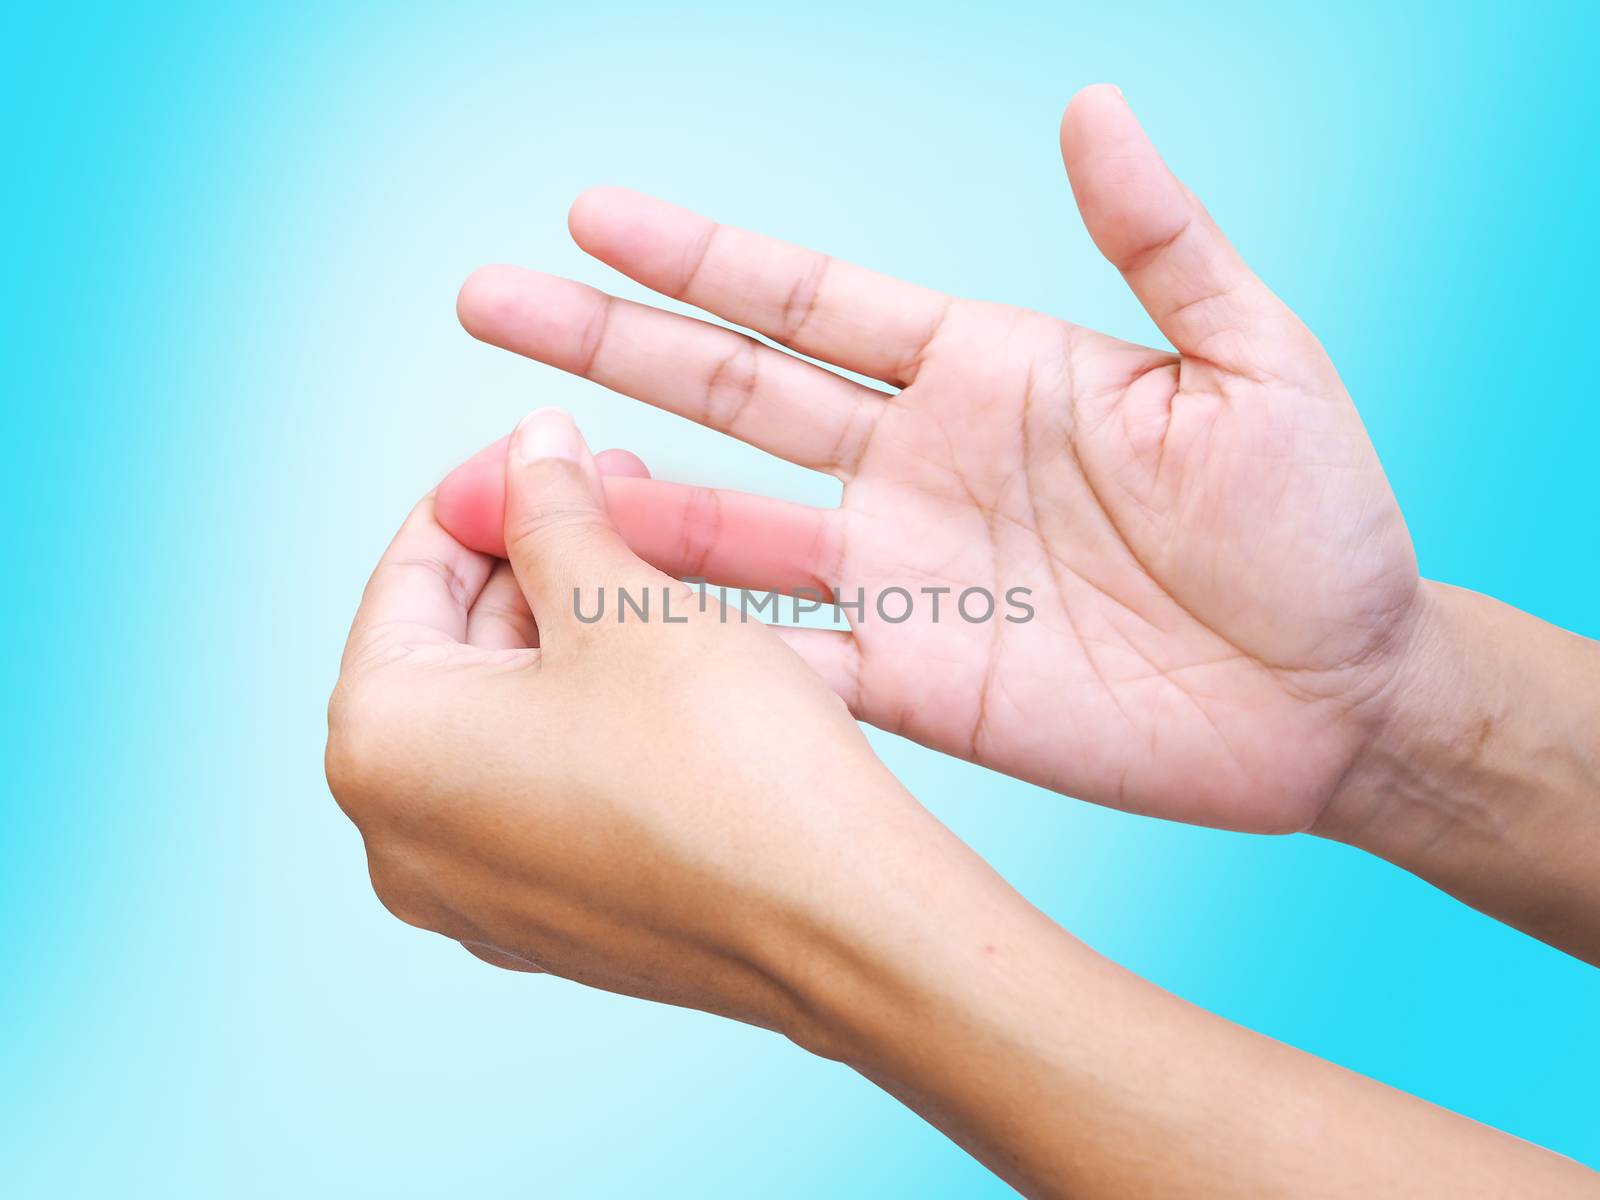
(621, 464)
(1096, 93)
(490, 299)
(540, 316)
(1093, 113)
(597, 210)
(558, 532)
(642, 236)
(548, 451)
(470, 502)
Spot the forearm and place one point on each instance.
(1486, 780)
(1068, 1076)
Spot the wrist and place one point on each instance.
(919, 936)
(1476, 710)
(963, 1001)
(1484, 772)
(1432, 715)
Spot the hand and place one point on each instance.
(1223, 584)
(683, 812)
(680, 811)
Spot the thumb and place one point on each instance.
(1189, 278)
(559, 537)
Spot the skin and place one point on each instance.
(771, 870)
(1230, 627)
(462, 736)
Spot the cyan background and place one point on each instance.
(232, 242)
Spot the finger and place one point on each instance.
(720, 378)
(833, 654)
(732, 539)
(1189, 278)
(558, 536)
(827, 309)
(423, 588)
(471, 500)
(501, 618)
(623, 464)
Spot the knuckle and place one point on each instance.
(396, 889)
(408, 883)
(360, 750)
(732, 384)
(702, 530)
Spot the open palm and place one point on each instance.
(1220, 578)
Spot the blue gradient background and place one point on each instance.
(232, 244)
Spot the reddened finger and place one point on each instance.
(733, 539)
(471, 501)
(621, 464)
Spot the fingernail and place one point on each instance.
(547, 433)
